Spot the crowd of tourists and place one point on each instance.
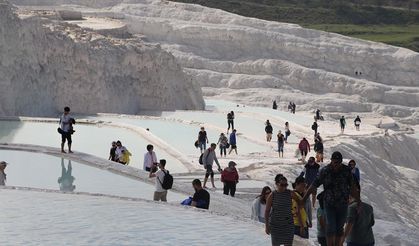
(286, 212)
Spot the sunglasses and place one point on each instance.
(283, 184)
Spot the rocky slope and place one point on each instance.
(46, 64)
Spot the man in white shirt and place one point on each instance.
(160, 194)
(3, 165)
(150, 159)
(65, 126)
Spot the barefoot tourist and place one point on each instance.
(66, 130)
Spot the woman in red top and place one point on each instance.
(230, 178)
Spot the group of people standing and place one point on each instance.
(341, 214)
(119, 153)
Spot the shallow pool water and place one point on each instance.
(89, 139)
(182, 136)
(63, 219)
(36, 170)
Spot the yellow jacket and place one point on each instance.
(303, 212)
(126, 157)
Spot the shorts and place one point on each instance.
(160, 196)
(209, 172)
(233, 146)
(303, 152)
(335, 219)
(66, 136)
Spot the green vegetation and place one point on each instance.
(395, 22)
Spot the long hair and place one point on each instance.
(262, 195)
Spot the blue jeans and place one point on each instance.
(335, 219)
(280, 147)
(202, 145)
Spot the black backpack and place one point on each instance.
(167, 183)
(200, 159)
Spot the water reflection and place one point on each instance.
(66, 180)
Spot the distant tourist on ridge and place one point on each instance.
(3, 175)
(342, 124)
(230, 121)
(281, 142)
(287, 131)
(304, 148)
(259, 205)
(230, 178)
(315, 127)
(150, 159)
(208, 159)
(269, 130)
(357, 122)
(274, 105)
(318, 148)
(66, 129)
(223, 143)
(202, 140)
(233, 142)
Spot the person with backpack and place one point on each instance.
(269, 130)
(164, 182)
(230, 121)
(357, 122)
(342, 124)
(310, 172)
(223, 143)
(315, 127)
(287, 131)
(304, 148)
(233, 142)
(317, 114)
(281, 141)
(66, 130)
(230, 178)
(318, 148)
(208, 159)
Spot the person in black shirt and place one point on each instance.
(201, 198)
(202, 140)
